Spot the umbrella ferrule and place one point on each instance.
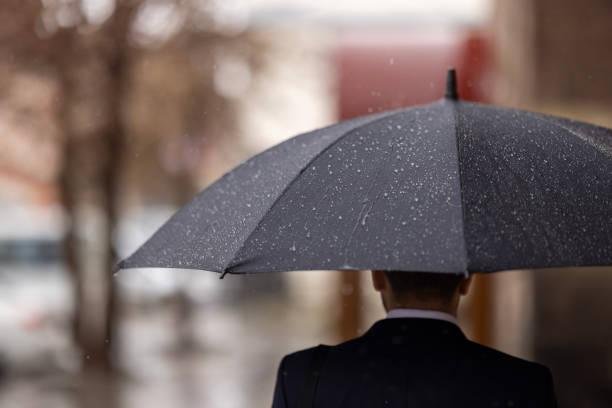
(451, 85)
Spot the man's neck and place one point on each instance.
(402, 313)
(427, 306)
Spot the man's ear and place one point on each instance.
(464, 286)
(379, 280)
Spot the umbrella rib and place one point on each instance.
(522, 185)
(604, 149)
(231, 264)
(455, 113)
(376, 181)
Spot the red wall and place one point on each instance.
(389, 69)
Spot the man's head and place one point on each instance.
(420, 290)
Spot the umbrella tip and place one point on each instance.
(118, 267)
(451, 85)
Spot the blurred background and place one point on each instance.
(113, 113)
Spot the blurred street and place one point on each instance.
(158, 368)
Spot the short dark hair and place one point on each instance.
(424, 285)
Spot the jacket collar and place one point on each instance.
(421, 314)
(416, 328)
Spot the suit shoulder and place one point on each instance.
(294, 368)
(308, 353)
(299, 361)
(300, 355)
(494, 356)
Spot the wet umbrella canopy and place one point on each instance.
(447, 187)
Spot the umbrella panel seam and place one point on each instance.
(231, 263)
(455, 113)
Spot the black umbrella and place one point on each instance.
(447, 187)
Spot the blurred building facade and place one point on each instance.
(552, 57)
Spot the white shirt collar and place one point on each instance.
(421, 314)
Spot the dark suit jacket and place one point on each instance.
(418, 363)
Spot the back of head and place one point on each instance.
(424, 286)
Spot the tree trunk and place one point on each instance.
(92, 67)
